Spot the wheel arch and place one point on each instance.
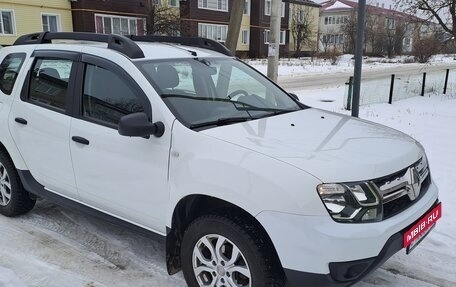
(14, 155)
(193, 206)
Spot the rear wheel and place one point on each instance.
(224, 251)
(14, 199)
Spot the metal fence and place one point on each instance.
(399, 87)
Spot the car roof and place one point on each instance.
(133, 47)
(157, 51)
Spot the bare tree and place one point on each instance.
(349, 30)
(301, 28)
(375, 34)
(401, 33)
(425, 48)
(327, 41)
(163, 20)
(444, 11)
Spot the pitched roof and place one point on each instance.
(347, 5)
(304, 2)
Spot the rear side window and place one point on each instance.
(107, 96)
(9, 70)
(49, 82)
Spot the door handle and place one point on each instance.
(81, 140)
(21, 121)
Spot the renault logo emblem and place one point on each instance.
(414, 183)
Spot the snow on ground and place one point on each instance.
(295, 67)
(56, 247)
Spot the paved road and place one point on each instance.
(315, 81)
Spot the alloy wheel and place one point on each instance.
(5, 186)
(218, 262)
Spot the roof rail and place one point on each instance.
(188, 41)
(118, 43)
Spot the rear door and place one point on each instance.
(120, 175)
(40, 120)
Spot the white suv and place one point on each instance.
(176, 136)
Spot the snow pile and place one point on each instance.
(9, 279)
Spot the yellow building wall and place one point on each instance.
(245, 25)
(27, 16)
(314, 13)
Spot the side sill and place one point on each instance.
(35, 188)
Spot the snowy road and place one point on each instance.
(57, 247)
(311, 81)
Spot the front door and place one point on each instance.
(120, 175)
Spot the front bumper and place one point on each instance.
(317, 251)
(346, 273)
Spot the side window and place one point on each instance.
(49, 82)
(107, 97)
(9, 70)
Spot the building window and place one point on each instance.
(268, 7)
(331, 20)
(333, 39)
(51, 22)
(6, 23)
(219, 5)
(245, 39)
(212, 31)
(281, 40)
(407, 42)
(173, 3)
(247, 7)
(390, 23)
(302, 16)
(110, 24)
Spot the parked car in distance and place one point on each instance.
(248, 186)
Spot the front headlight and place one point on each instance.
(352, 203)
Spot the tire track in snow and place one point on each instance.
(133, 255)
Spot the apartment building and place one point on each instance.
(111, 16)
(260, 26)
(210, 19)
(303, 24)
(387, 31)
(19, 17)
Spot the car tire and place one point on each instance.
(254, 265)
(14, 199)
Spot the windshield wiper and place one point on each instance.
(221, 122)
(245, 106)
(274, 111)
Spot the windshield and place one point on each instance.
(213, 91)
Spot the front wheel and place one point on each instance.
(223, 251)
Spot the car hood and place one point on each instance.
(330, 146)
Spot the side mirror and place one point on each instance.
(294, 96)
(138, 125)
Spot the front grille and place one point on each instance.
(401, 190)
